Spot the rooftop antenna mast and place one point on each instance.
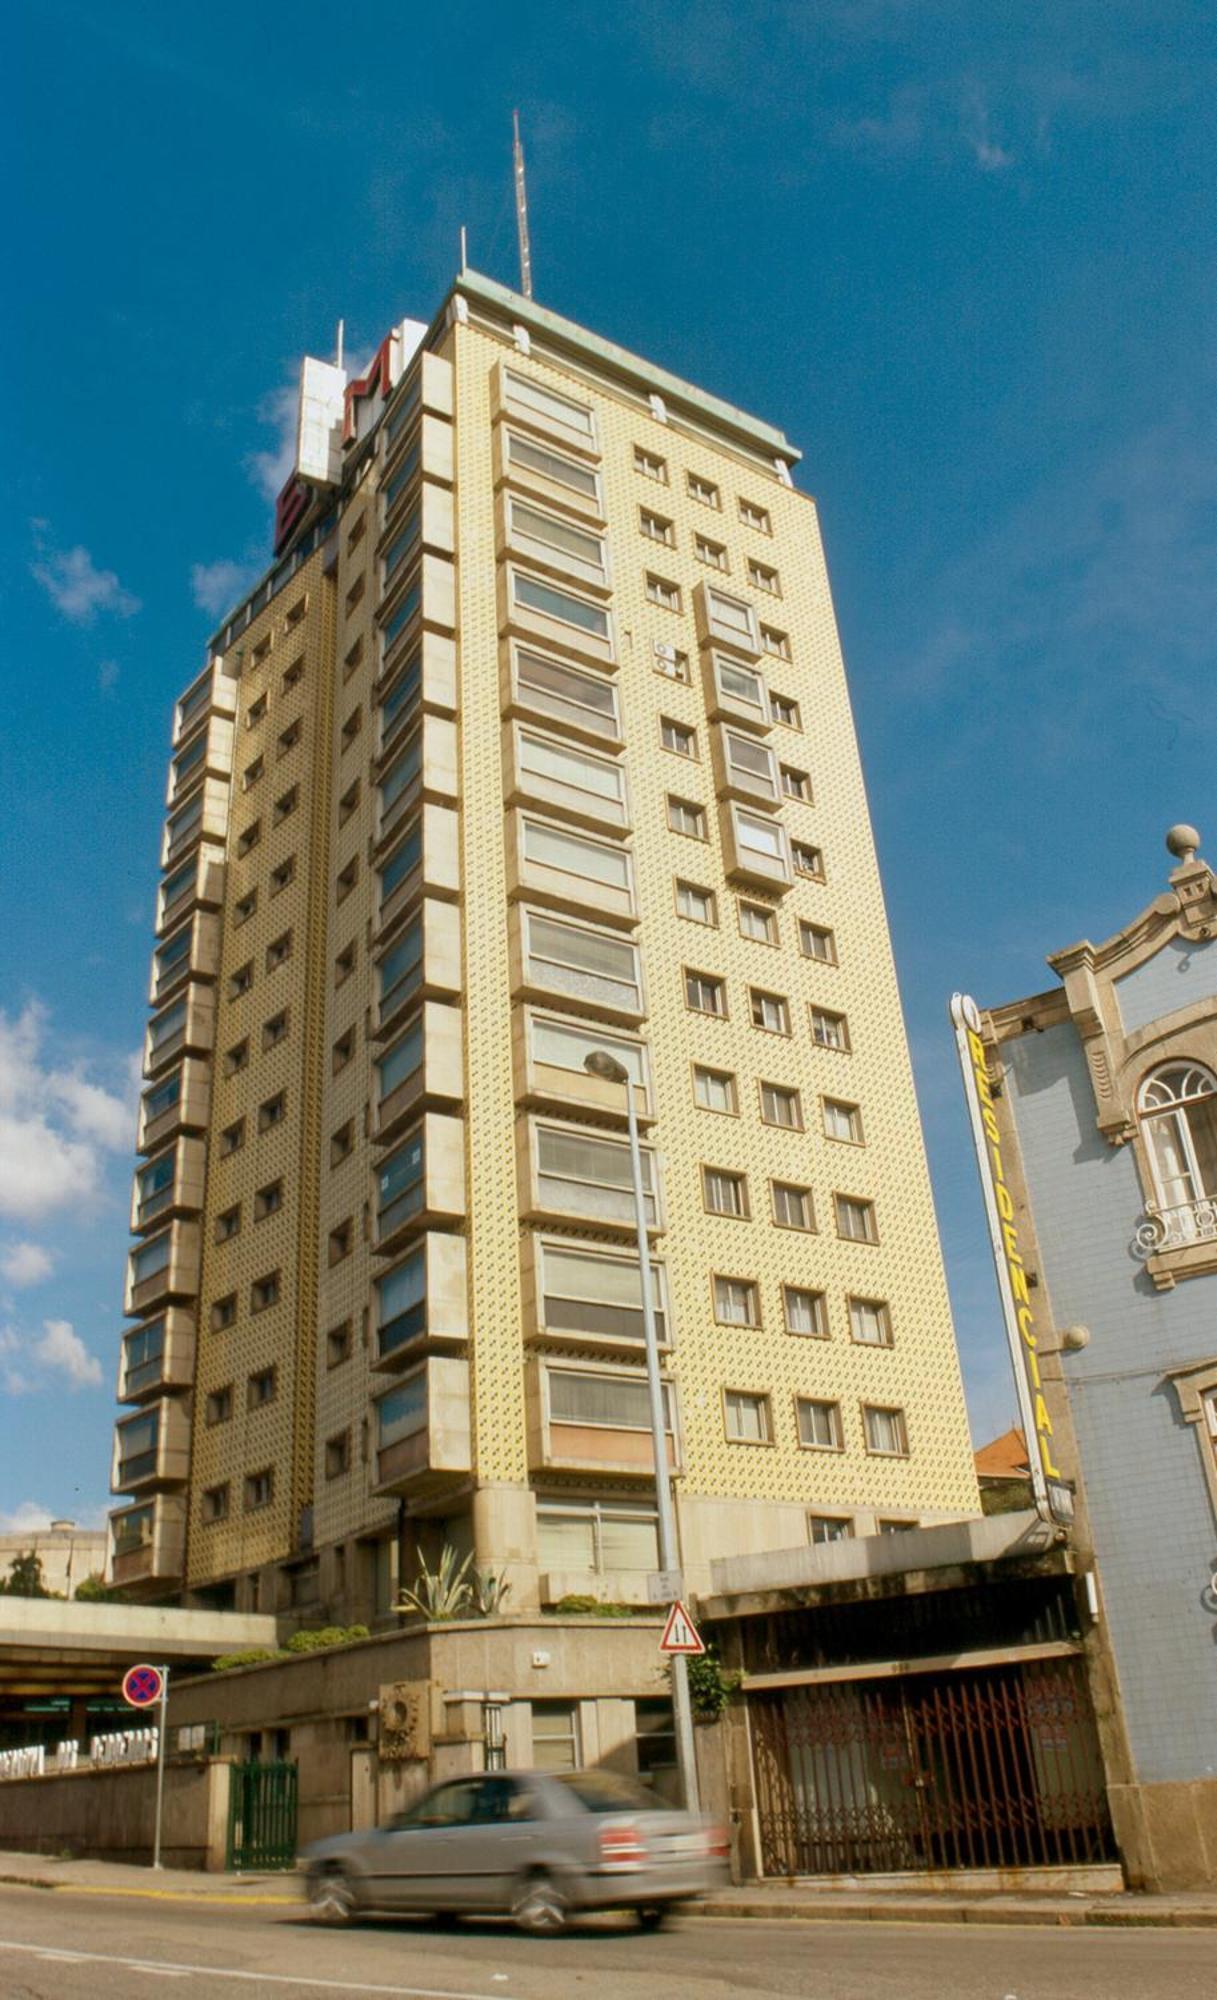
(517, 155)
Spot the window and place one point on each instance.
(565, 1044)
(252, 773)
(724, 1192)
(687, 818)
(584, 700)
(341, 1242)
(714, 1089)
(342, 1143)
(568, 776)
(775, 642)
(237, 1057)
(704, 490)
(782, 709)
(597, 1535)
(218, 1407)
(709, 552)
(792, 1207)
(796, 784)
(259, 1490)
(661, 590)
(243, 908)
(695, 903)
(256, 711)
(555, 1736)
(763, 577)
(285, 805)
(886, 1431)
(337, 1455)
(228, 1224)
(769, 1011)
(855, 1218)
(579, 860)
(224, 1313)
(351, 728)
(289, 737)
(705, 994)
(273, 1111)
(264, 1292)
(677, 737)
(596, 1294)
(585, 964)
(343, 1050)
(747, 1417)
(895, 1527)
(232, 1138)
(817, 942)
(274, 1031)
(547, 536)
(553, 465)
(348, 802)
(582, 1173)
(674, 666)
(740, 684)
(750, 766)
(608, 1402)
(829, 1030)
(531, 594)
(214, 1505)
(1178, 1111)
(292, 675)
(650, 466)
(338, 1345)
(825, 1528)
(804, 1311)
(654, 527)
(241, 980)
(841, 1120)
(781, 1106)
(536, 399)
(268, 1200)
(296, 614)
(400, 1185)
(819, 1424)
(808, 860)
(736, 1302)
(756, 517)
(260, 1389)
(761, 845)
(249, 838)
(870, 1322)
(284, 874)
(758, 923)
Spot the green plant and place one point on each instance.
(312, 1639)
(253, 1656)
(576, 1606)
(488, 1592)
(711, 1685)
(445, 1591)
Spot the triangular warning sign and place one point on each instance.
(680, 1634)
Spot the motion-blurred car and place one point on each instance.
(537, 1845)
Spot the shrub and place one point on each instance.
(312, 1640)
(253, 1656)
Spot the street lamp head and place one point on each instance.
(601, 1063)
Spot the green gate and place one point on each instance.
(262, 1816)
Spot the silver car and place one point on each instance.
(539, 1846)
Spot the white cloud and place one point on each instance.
(107, 675)
(30, 1517)
(60, 1349)
(55, 1123)
(269, 469)
(75, 585)
(25, 1263)
(217, 586)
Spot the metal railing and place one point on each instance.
(1173, 1228)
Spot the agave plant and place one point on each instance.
(444, 1592)
(488, 1592)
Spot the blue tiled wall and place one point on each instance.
(1174, 977)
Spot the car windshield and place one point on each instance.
(605, 1792)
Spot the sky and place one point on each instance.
(962, 255)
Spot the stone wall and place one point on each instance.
(111, 1814)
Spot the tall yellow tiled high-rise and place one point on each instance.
(534, 741)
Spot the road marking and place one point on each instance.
(170, 1967)
(155, 1895)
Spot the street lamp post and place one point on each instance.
(600, 1063)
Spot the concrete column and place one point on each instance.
(505, 1538)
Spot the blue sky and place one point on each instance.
(962, 254)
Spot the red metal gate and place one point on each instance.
(994, 1767)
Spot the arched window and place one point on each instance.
(1178, 1107)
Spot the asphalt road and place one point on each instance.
(67, 1945)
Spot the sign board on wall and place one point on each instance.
(319, 431)
(1053, 1498)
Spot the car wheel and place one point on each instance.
(540, 1908)
(331, 1895)
(653, 1916)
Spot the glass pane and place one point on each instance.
(585, 859)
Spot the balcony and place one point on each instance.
(157, 1355)
(555, 864)
(578, 1174)
(207, 751)
(589, 1418)
(203, 816)
(187, 1023)
(421, 1183)
(172, 1183)
(744, 768)
(425, 858)
(586, 1295)
(1177, 1242)
(424, 1065)
(196, 883)
(422, 961)
(180, 1102)
(148, 1543)
(556, 960)
(735, 692)
(163, 1267)
(550, 1051)
(152, 1448)
(423, 1431)
(213, 693)
(756, 849)
(190, 952)
(422, 764)
(421, 1301)
(566, 778)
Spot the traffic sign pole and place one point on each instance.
(161, 1734)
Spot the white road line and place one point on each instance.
(170, 1966)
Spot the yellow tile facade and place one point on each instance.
(460, 1449)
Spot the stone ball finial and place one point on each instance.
(1182, 841)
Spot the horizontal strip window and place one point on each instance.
(189, 760)
(154, 1187)
(164, 1097)
(583, 700)
(604, 1401)
(402, 699)
(401, 774)
(151, 1258)
(399, 1184)
(402, 543)
(732, 618)
(597, 1535)
(403, 411)
(584, 964)
(572, 854)
(401, 969)
(406, 610)
(590, 1292)
(590, 1175)
(185, 824)
(402, 862)
(170, 958)
(762, 836)
(565, 1046)
(401, 1061)
(165, 1026)
(195, 699)
(403, 1413)
(567, 472)
(143, 1356)
(595, 783)
(533, 595)
(395, 487)
(523, 393)
(134, 1531)
(401, 1304)
(177, 884)
(750, 765)
(740, 684)
(552, 535)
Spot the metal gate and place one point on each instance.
(262, 1816)
(985, 1768)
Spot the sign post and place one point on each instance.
(144, 1687)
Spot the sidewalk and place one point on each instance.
(1194, 1909)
